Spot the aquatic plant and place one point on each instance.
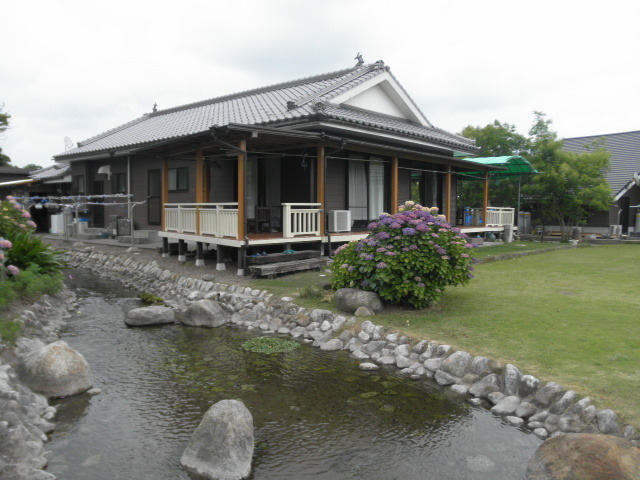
(408, 258)
(269, 345)
(150, 299)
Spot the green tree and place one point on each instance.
(32, 166)
(570, 186)
(4, 125)
(495, 140)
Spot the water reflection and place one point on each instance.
(316, 415)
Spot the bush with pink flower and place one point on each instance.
(14, 217)
(408, 258)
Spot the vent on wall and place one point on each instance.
(340, 221)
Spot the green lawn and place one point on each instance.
(514, 247)
(572, 316)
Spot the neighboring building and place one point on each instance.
(12, 179)
(273, 165)
(623, 178)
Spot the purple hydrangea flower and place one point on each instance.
(364, 283)
(395, 225)
(421, 285)
(391, 254)
(381, 250)
(422, 228)
(383, 235)
(381, 265)
(373, 225)
(470, 275)
(409, 231)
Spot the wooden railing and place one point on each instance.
(221, 219)
(500, 216)
(216, 219)
(300, 219)
(496, 216)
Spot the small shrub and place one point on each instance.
(269, 345)
(9, 330)
(312, 292)
(29, 251)
(32, 283)
(150, 299)
(409, 258)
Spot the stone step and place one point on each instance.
(272, 269)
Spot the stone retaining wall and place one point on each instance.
(545, 408)
(25, 417)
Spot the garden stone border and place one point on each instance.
(545, 408)
(25, 416)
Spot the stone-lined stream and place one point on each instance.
(316, 415)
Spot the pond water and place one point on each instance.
(316, 415)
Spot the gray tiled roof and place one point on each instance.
(49, 173)
(625, 154)
(284, 102)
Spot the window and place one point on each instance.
(119, 183)
(179, 179)
(78, 185)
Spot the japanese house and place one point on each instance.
(309, 161)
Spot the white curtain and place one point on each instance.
(376, 189)
(358, 190)
(252, 187)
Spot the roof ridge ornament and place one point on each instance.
(291, 105)
(378, 65)
(360, 60)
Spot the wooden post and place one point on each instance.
(320, 186)
(485, 199)
(165, 247)
(447, 193)
(394, 185)
(242, 183)
(200, 182)
(164, 194)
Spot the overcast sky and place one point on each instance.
(77, 68)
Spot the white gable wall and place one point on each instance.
(376, 100)
(382, 94)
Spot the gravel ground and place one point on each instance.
(150, 253)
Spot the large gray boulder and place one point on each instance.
(55, 370)
(350, 299)
(205, 313)
(585, 457)
(221, 447)
(153, 315)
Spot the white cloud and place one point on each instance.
(79, 68)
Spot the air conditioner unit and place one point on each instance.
(340, 221)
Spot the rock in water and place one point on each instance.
(349, 299)
(205, 313)
(221, 447)
(56, 370)
(154, 315)
(585, 457)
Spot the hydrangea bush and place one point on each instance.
(409, 257)
(14, 218)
